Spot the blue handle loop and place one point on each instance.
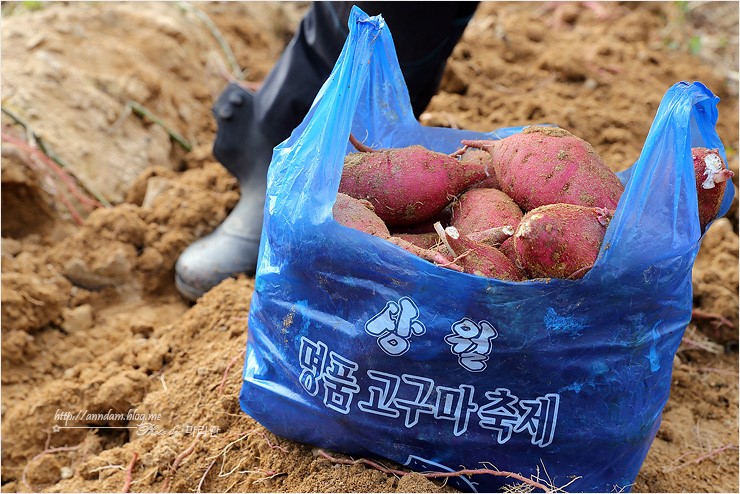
(657, 216)
(307, 167)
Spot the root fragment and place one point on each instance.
(48, 451)
(273, 446)
(129, 472)
(701, 458)
(436, 475)
(43, 164)
(716, 320)
(228, 368)
(176, 464)
(360, 146)
(205, 474)
(36, 141)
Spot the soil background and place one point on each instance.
(90, 316)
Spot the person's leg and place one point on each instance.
(424, 34)
(250, 125)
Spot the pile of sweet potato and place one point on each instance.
(533, 205)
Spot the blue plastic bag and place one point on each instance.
(357, 346)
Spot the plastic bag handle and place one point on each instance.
(363, 75)
(657, 216)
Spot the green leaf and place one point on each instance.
(32, 5)
(682, 6)
(695, 45)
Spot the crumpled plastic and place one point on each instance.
(359, 347)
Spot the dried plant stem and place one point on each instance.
(726, 372)
(437, 475)
(203, 478)
(140, 111)
(701, 458)
(236, 71)
(106, 467)
(707, 346)
(129, 472)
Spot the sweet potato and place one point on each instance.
(430, 255)
(423, 240)
(360, 215)
(480, 159)
(560, 240)
(712, 176)
(480, 259)
(495, 237)
(481, 209)
(507, 249)
(426, 226)
(549, 165)
(406, 185)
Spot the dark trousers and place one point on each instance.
(425, 33)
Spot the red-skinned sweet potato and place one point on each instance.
(481, 209)
(359, 214)
(712, 176)
(478, 159)
(406, 185)
(560, 240)
(430, 255)
(480, 259)
(423, 240)
(495, 237)
(427, 226)
(507, 249)
(549, 165)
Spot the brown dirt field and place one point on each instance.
(90, 316)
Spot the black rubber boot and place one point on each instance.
(232, 248)
(250, 125)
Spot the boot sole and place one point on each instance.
(188, 291)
